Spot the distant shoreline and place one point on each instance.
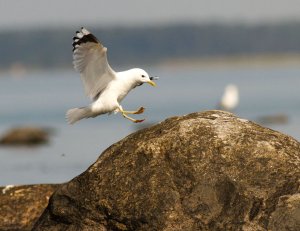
(233, 61)
(256, 60)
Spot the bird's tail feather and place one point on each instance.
(75, 114)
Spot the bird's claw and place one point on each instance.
(140, 111)
(138, 121)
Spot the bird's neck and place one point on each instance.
(127, 80)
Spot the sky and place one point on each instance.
(18, 14)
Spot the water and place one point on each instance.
(42, 98)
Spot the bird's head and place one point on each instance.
(142, 76)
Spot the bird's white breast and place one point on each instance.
(114, 93)
(123, 84)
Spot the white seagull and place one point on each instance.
(105, 87)
(230, 98)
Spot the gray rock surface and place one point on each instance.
(203, 171)
(21, 206)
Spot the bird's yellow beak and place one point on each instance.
(152, 83)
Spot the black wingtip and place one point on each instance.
(83, 39)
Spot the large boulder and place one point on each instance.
(202, 171)
(21, 206)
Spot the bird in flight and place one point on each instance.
(105, 87)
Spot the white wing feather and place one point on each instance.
(90, 60)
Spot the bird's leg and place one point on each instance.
(124, 113)
(131, 119)
(139, 111)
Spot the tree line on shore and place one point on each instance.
(51, 48)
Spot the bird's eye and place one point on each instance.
(143, 76)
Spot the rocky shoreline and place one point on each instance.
(203, 171)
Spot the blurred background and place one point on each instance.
(240, 56)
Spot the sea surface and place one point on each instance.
(42, 98)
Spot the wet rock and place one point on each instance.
(25, 136)
(21, 206)
(203, 171)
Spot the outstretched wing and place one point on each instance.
(90, 60)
